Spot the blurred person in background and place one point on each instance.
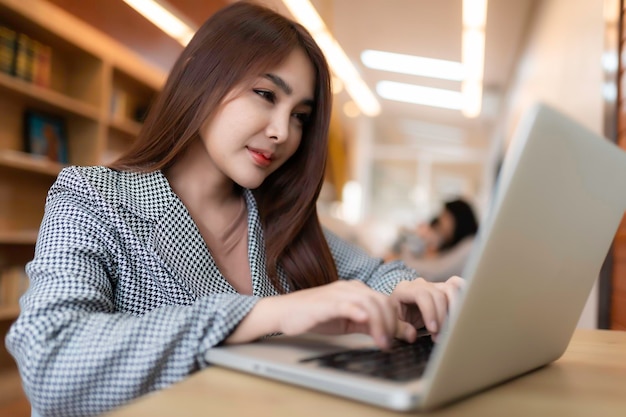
(440, 248)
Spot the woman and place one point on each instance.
(205, 232)
(456, 223)
(439, 249)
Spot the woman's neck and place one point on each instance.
(198, 183)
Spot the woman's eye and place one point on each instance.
(302, 118)
(267, 95)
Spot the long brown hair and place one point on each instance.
(241, 41)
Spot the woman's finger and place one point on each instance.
(353, 312)
(405, 331)
(426, 305)
(381, 318)
(440, 300)
(452, 287)
(456, 282)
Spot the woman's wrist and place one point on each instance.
(263, 319)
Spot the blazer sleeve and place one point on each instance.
(77, 354)
(354, 263)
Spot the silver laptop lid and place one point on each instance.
(557, 206)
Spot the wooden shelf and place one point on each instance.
(87, 68)
(26, 162)
(18, 237)
(128, 127)
(9, 313)
(46, 98)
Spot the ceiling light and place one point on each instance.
(473, 50)
(474, 14)
(417, 94)
(472, 98)
(340, 64)
(470, 71)
(413, 65)
(164, 18)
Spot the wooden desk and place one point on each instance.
(588, 381)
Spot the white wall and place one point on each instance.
(561, 65)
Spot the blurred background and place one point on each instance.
(427, 96)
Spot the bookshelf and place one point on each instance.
(98, 87)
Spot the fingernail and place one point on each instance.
(384, 341)
(433, 326)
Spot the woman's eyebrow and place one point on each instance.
(280, 83)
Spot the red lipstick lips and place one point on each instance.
(260, 157)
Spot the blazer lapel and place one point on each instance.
(261, 285)
(179, 244)
(174, 237)
(256, 249)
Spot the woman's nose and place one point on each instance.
(278, 127)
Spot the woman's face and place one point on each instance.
(258, 127)
(446, 225)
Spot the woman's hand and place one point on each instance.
(338, 308)
(344, 307)
(425, 304)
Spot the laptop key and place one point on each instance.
(402, 362)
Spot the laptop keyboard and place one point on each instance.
(402, 362)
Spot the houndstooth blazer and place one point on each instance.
(125, 298)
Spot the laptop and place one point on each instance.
(558, 203)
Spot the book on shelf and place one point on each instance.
(42, 61)
(8, 40)
(45, 136)
(24, 57)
